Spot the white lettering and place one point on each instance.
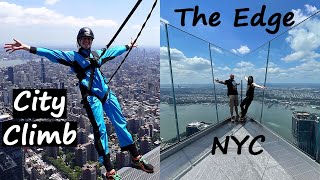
(16, 101)
(66, 134)
(55, 106)
(6, 135)
(49, 139)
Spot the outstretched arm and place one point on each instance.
(258, 86)
(17, 45)
(65, 58)
(221, 82)
(113, 52)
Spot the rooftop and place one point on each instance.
(192, 158)
(152, 157)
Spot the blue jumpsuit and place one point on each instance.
(99, 89)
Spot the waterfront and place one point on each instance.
(278, 117)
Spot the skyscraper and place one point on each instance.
(145, 144)
(122, 159)
(11, 158)
(43, 75)
(10, 74)
(304, 131)
(89, 172)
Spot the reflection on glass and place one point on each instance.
(192, 76)
(292, 100)
(254, 64)
(168, 128)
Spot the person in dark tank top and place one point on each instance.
(249, 96)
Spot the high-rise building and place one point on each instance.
(82, 135)
(195, 127)
(145, 144)
(304, 129)
(122, 159)
(81, 155)
(10, 74)
(11, 158)
(42, 73)
(52, 151)
(89, 172)
(92, 154)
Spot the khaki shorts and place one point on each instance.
(233, 100)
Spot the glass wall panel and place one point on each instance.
(294, 86)
(254, 64)
(224, 64)
(168, 127)
(192, 76)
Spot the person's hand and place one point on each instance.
(17, 45)
(131, 44)
(217, 80)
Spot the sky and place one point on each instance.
(57, 22)
(294, 56)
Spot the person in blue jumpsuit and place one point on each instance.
(97, 96)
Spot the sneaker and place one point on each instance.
(232, 119)
(237, 118)
(113, 176)
(242, 119)
(143, 165)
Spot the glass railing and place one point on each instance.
(287, 65)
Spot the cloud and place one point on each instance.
(310, 9)
(242, 50)
(216, 49)
(51, 2)
(224, 68)
(185, 69)
(245, 64)
(301, 56)
(304, 39)
(12, 14)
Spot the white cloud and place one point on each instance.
(216, 49)
(301, 56)
(298, 16)
(51, 2)
(311, 9)
(244, 49)
(12, 14)
(304, 39)
(234, 51)
(224, 68)
(185, 69)
(245, 64)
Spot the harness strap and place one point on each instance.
(94, 63)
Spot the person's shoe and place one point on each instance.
(232, 119)
(242, 119)
(113, 176)
(237, 118)
(143, 165)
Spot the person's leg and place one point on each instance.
(243, 103)
(236, 104)
(94, 110)
(249, 100)
(231, 104)
(114, 112)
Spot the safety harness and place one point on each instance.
(81, 74)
